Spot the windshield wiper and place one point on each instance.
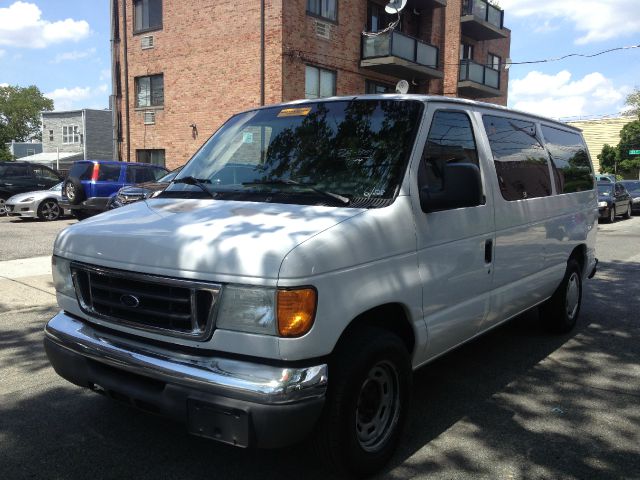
(198, 183)
(310, 186)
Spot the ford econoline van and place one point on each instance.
(312, 255)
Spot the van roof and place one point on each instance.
(425, 98)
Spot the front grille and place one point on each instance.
(170, 306)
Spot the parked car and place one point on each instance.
(633, 187)
(364, 237)
(42, 204)
(141, 191)
(605, 178)
(20, 177)
(613, 200)
(91, 183)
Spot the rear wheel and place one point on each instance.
(82, 214)
(560, 313)
(49, 210)
(367, 402)
(3, 207)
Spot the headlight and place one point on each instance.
(248, 309)
(636, 200)
(602, 204)
(60, 268)
(286, 312)
(28, 199)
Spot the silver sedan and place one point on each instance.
(42, 204)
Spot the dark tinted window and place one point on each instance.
(14, 171)
(520, 160)
(147, 14)
(571, 166)
(450, 141)
(46, 173)
(633, 187)
(82, 171)
(137, 174)
(109, 173)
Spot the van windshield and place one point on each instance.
(341, 153)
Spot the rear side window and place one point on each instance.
(450, 140)
(44, 172)
(109, 173)
(137, 174)
(14, 171)
(82, 171)
(571, 167)
(520, 159)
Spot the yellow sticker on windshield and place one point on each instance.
(295, 112)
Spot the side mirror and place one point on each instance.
(461, 187)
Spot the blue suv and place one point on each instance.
(92, 183)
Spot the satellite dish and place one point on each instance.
(394, 6)
(402, 87)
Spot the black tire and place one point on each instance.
(3, 207)
(612, 214)
(627, 214)
(560, 313)
(73, 190)
(49, 210)
(367, 402)
(82, 214)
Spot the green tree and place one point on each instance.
(629, 140)
(633, 101)
(608, 158)
(20, 119)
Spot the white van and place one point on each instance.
(312, 255)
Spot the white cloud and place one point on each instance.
(21, 25)
(558, 96)
(597, 20)
(74, 55)
(4, 84)
(77, 97)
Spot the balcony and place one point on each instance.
(482, 21)
(424, 4)
(401, 56)
(478, 81)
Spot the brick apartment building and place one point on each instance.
(182, 67)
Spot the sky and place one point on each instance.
(62, 47)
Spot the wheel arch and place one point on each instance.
(579, 254)
(392, 317)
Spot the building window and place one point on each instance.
(150, 91)
(466, 51)
(493, 61)
(154, 156)
(51, 135)
(71, 134)
(323, 8)
(373, 87)
(147, 15)
(377, 18)
(319, 82)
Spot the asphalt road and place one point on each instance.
(29, 237)
(514, 404)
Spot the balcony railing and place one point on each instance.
(396, 44)
(485, 11)
(481, 74)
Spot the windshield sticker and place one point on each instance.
(247, 137)
(295, 112)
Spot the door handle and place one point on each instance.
(41, 185)
(488, 251)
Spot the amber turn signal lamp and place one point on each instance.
(296, 311)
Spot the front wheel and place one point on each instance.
(367, 402)
(627, 214)
(560, 313)
(612, 214)
(49, 210)
(3, 207)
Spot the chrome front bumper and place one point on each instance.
(235, 379)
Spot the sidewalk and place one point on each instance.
(26, 284)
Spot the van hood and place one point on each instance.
(215, 240)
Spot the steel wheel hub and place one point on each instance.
(50, 210)
(378, 406)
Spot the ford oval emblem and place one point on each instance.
(129, 301)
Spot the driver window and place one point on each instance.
(450, 140)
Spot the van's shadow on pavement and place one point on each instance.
(497, 401)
